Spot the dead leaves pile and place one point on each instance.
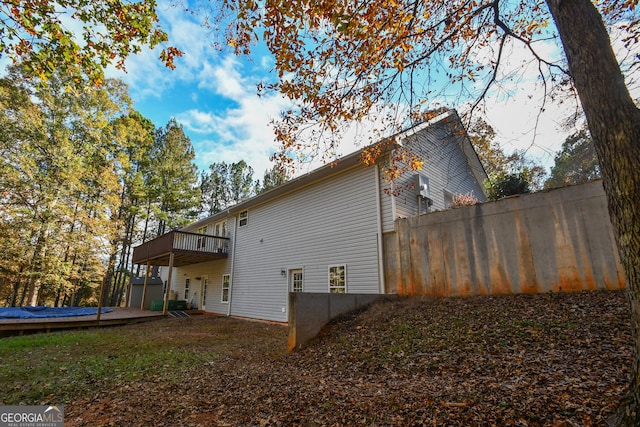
(520, 360)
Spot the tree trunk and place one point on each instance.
(614, 122)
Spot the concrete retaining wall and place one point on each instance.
(309, 312)
(558, 240)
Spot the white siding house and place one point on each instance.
(320, 232)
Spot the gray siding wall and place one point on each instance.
(331, 222)
(387, 202)
(213, 271)
(446, 167)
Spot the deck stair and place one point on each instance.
(178, 314)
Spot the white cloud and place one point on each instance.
(241, 131)
(225, 79)
(147, 76)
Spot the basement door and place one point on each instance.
(203, 293)
(295, 280)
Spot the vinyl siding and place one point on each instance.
(445, 165)
(331, 222)
(324, 222)
(387, 203)
(213, 269)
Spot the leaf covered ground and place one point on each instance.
(521, 360)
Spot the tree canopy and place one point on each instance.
(78, 37)
(508, 174)
(59, 186)
(226, 184)
(172, 179)
(345, 61)
(83, 178)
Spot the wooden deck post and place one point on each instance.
(100, 303)
(144, 287)
(168, 287)
(127, 297)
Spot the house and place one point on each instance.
(319, 232)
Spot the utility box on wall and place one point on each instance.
(422, 186)
(423, 192)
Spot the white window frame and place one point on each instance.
(295, 271)
(243, 218)
(334, 283)
(226, 286)
(187, 285)
(220, 230)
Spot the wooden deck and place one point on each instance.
(119, 316)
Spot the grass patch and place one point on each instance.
(59, 367)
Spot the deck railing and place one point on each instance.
(180, 241)
(200, 242)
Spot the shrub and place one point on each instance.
(467, 199)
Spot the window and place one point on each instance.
(296, 281)
(226, 280)
(244, 218)
(187, 282)
(338, 279)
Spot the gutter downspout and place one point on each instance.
(233, 261)
(381, 281)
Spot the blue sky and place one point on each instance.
(212, 94)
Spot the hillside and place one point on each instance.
(541, 360)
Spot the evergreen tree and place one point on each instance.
(576, 162)
(226, 185)
(134, 134)
(172, 179)
(509, 174)
(273, 177)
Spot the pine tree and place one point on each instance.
(174, 197)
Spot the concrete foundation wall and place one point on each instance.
(309, 312)
(558, 240)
